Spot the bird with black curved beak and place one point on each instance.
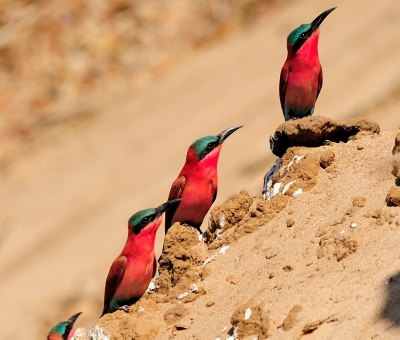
(132, 271)
(64, 330)
(301, 75)
(300, 82)
(197, 183)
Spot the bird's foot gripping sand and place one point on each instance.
(320, 262)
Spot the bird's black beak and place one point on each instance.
(165, 206)
(226, 133)
(319, 19)
(73, 318)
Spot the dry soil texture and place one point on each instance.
(65, 201)
(320, 260)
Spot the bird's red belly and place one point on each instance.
(137, 277)
(194, 206)
(301, 91)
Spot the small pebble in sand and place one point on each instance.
(393, 197)
(290, 222)
(359, 201)
(288, 268)
(327, 158)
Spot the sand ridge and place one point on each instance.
(330, 274)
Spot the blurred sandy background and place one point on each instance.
(100, 101)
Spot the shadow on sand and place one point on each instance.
(391, 309)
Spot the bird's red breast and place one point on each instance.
(301, 76)
(197, 186)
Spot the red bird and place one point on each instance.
(197, 182)
(301, 76)
(132, 271)
(63, 330)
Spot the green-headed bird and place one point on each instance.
(301, 76)
(132, 271)
(63, 330)
(197, 183)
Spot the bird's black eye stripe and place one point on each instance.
(146, 220)
(211, 145)
(207, 149)
(301, 40)
(143, 223)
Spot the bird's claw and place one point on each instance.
(125, 308)
(268, 180)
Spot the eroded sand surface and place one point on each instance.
(66, 201)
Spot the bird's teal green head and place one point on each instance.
(63, 329)
(143, 218)
(299, 36)
(59, 331)
(203, 146)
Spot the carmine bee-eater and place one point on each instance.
(197, 182)
(132, 271)
(63, 330)
(301, 75)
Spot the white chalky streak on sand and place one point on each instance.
(181, 296)
(342, 232)
(318, 221)
(298, 192)
(275, 190)
(295, 158)
(223, 249)
(97, 333)
(222, 221)
(211, 258)
(353, 225)
(287, 186)
(221, 224)
(151, 286)
(277, 186)
(193, 287)
(79, 333)
(247, 314)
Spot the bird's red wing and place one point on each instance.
(176, 192)
(320, 79)
(283, 85)
(114, 277)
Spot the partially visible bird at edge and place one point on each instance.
(64, 330)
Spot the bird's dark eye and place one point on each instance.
(210, 145)
(303, 35)
(145, 219)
